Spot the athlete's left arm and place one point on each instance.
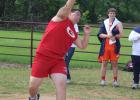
(120, 28)
(82, 44)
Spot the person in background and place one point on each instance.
(134, 37)
(111, 30)
(69, 55)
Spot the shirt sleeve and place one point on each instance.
(76, 28)
(134, 36)
(102, 29)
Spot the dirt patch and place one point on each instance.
(12, 65)
(25, 97)
(113, 96)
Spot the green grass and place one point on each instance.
(85, 84)
(38, 35)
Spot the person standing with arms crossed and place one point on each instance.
(109, 35)
(57, 39)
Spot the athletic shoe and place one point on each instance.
(135, 86)
(103, 83)
(38, 96)
(115, 84)
(35, 98)
(68, 81)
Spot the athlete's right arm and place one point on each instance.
(63, 12)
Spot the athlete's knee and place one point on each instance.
(59, 80)
(33, 87)
(114, 64)
(61, 84)
(104, 64)
(115, 67)
(33, 90)
(34, 83)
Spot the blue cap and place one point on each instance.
(137, 29)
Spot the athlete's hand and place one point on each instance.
(109, 36)
(118, 36)
(87, 29)
(113, 38)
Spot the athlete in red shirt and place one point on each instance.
(49, 59)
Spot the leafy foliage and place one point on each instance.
(43, 10)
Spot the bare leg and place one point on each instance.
(34, 85)
(115, 69)
(60, 84)
(103, 69)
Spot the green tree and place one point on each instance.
(44, 10)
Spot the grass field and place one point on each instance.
(38, 35)
(84, 85)
(85, 82)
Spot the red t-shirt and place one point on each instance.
(57, 39)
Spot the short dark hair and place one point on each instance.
(112, 10)
(73, 10)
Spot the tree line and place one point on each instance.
(94, 11)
